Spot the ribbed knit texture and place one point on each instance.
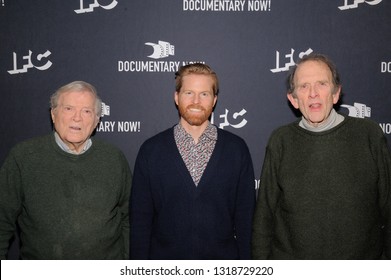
(67, 206)
(324, 195)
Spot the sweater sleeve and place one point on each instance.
(141, 210)
(268, 196)
(10, 202)
(124, 205)
(245, 203)
(384, 165)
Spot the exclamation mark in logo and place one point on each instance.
(2, 2)
(269, 4)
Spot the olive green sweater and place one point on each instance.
(67, 206)
(325, 195)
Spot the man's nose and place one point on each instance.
(77, 115)
(196, 98)
(313, 91)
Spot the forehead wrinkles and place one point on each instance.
(312, 71)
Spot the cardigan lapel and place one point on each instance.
(176, 158)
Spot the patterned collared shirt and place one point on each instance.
(196, 156)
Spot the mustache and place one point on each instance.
(198, 107)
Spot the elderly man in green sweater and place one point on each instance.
(67, 192)
(326, 178)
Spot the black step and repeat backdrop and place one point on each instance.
(130, 50)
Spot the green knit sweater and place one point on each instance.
(325, 195)
(67, 206)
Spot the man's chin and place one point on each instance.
(195, 121)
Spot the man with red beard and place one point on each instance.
(193, 191)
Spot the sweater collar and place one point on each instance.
(332, 121)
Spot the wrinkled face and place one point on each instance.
(315, 93)
(75, 118)
(195, 100)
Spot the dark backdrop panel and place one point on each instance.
(130, 50)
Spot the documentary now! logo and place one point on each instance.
(385, 66)
(157, 51)
(161, 49)
(386, 127)
(226, 5)
(116, 126)
(359, 110)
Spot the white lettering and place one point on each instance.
(106, 126)
(29, 64)
(386, 67)
(127, 126)
(148, 66)
(291, 61)
(214, 5)
(94, 5)
(192, 62)
(259, 5)
(355, 4)
(257, 183)
(386, 127)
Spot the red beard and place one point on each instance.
(195, 118)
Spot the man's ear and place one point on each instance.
(52, 115)
(293, 100)
(176, 97)
(336, 95)
(214, 100)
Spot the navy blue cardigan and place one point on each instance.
(171, 218)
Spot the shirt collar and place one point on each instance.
(65, 148)
(210, 132)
